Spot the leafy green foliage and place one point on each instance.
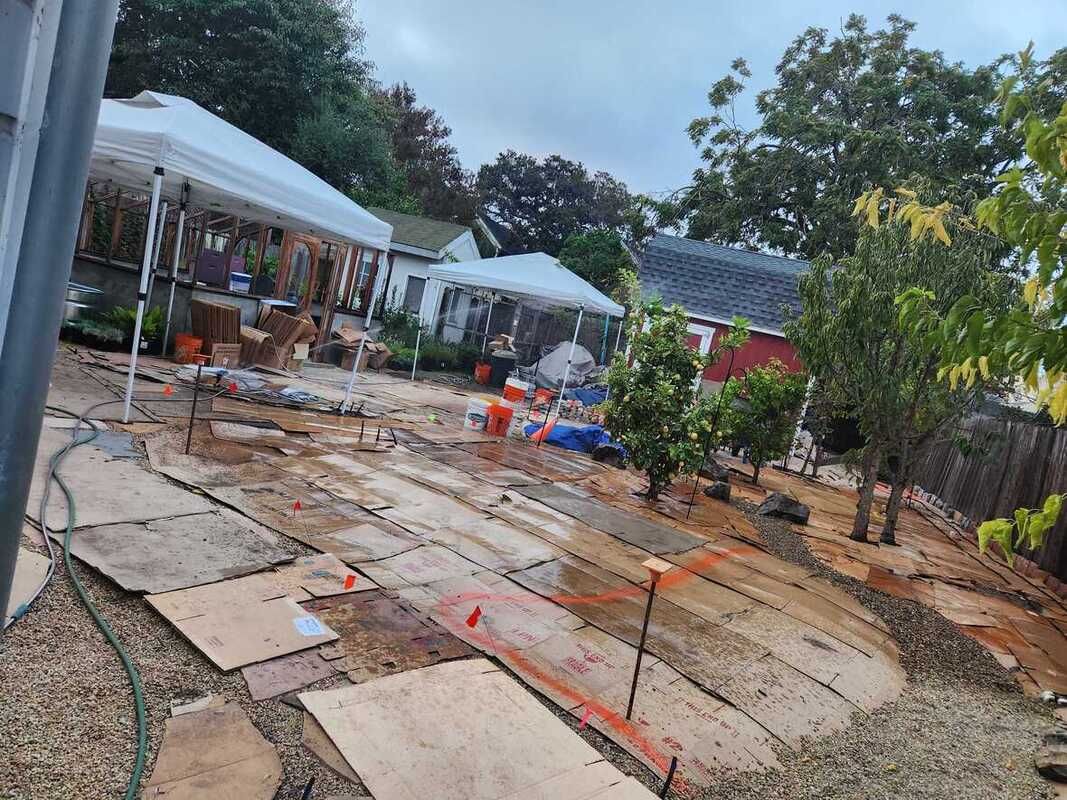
(652, 408)
(599, 257)
(259, 64)
(94, 332)
(870, 366)
(541, 203)
(433, 174)
(1026, 530)
(760, 411)
(125, 319)
(399, 325)
(848, 111)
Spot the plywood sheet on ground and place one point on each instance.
(646, 534)
(241, 621)
(167, 554)
(319, 576)
(381, 634)
(314, 738)
(214, 753)
(706, 653)
(546, 463)
(293, 506)
(425, 564)
(418, 734)
(496, 545)
(286, 674)
(371, 540)
(486, 470)
(30, 569)
(109, 490)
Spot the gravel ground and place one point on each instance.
(962, 726)
(67, 720)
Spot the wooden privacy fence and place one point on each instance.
(1008, 464)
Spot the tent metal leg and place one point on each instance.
(160, 230)
(489, 316)
(347, 402)
(570, 358)
(142, 292)
(178, 240)
(415, 361)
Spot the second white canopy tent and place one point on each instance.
(535, 276)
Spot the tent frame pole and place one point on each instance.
(429, 332)
(570, 358)
(178, 242)
(161, 229)
(142, 290)
(375, 291)
(489, 316)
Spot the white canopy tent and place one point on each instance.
(175, 149)
(536, 276)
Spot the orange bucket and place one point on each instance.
(186, 346)
(482, 372)
(499, 419)
(515, 390)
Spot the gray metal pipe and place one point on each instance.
(72, 105)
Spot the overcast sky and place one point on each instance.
(614, 83)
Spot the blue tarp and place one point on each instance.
(583, 439)
(588, 395)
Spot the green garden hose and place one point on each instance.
(127, 662)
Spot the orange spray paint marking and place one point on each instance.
(523, 666)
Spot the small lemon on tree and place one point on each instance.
(653, 408)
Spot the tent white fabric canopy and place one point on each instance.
(226, 169)
(171, 147)
(536, 275)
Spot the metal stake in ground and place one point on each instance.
(657, 568)
(200, 359)
(670, 777)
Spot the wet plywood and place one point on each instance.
(706, 653)
(545, 463)
(98, 480)
(286, 674)
(319, 576)
(417, 735)
(293, 506)
(372, 540)
(241, 621)
(646, 534)
(425, 564)
(30, 569)
(381, 634)
(167, 554)
(218, 753)
(496, 545)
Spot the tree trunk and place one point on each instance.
(755, 473)
(892, 509)
(871, 461)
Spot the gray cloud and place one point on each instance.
(614, 84)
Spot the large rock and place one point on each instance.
(780, 505)
(1051, 756)
(720, 490)
(714, 471)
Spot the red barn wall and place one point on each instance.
(760, 348)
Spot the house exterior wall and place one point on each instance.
(760, 348)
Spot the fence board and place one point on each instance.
(1014, 464)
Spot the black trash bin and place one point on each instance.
(502, 363)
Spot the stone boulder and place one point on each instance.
(781, 505)
(714, 471)
(720, 490)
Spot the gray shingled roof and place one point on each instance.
(713, 281)
(429, 234)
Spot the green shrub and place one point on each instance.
(125, 318)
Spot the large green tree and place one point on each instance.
(262, 65)
(848, 111)
(598, 256)
(428, 160)
(542, 202)
(877, 370)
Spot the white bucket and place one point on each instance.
(515, 390)
(477, 414)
